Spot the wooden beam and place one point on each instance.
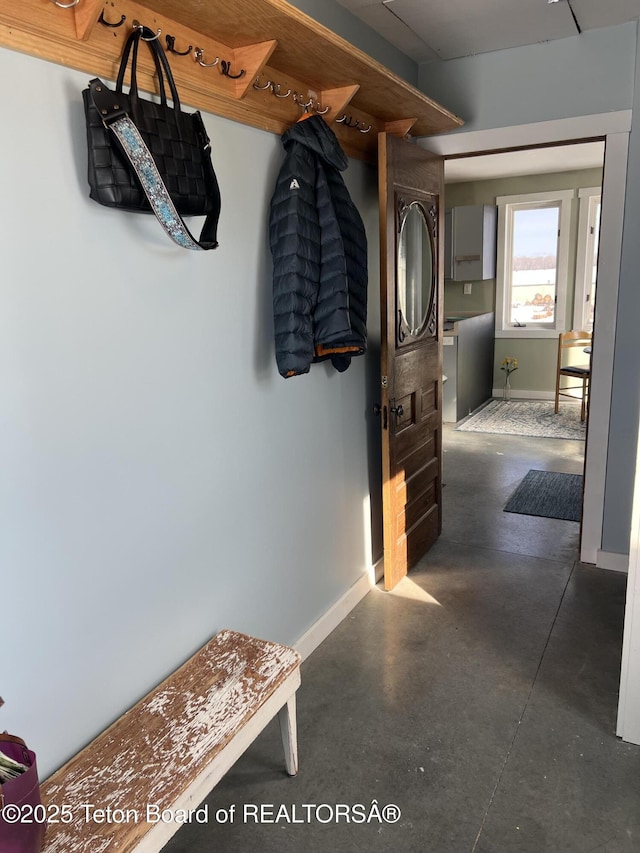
(252, 59)
(399, 128)
(86, 14)
(337, 100)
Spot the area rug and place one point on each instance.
(549, 494)
(524, 417)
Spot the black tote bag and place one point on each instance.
(176, 140)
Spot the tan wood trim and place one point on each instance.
(86, 14)
(400, 128)
(252, 60)
(387, 281)
(337, 100)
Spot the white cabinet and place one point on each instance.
(470, 242)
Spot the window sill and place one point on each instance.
(527, 332)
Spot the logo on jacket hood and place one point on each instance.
(294, 185)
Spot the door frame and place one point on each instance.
(614, 128)
(628, 724)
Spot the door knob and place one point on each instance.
(398, 411)
(381, 410)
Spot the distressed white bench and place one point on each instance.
(137, 783)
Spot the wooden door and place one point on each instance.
(411, 272)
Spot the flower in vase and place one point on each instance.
(509, 365)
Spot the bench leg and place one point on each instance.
(288, 730)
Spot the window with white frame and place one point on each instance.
(532, 263)
(587, 258)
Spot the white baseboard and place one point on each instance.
(531, 395)
(612, 562)
(329, 620)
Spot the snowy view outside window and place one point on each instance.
(532, 264)
(534, 259)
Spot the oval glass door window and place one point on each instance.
(415, 274)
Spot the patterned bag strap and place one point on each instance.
(133, 146)
(130, 141)
(115, 119)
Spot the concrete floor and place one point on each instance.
(479, 697)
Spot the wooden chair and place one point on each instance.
(582, 372)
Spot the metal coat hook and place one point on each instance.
(101, 20)
(138, 26)
(275, 88)
(225, 69)
(306, 105)
(311, 105)
(199, 58)
(354, 123)
(171, 42)
(65, 5)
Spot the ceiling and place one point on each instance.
(536, 161)
(429, 30)
(433, 30)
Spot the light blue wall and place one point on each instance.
(588, 74)
(625, 392)
(583, 75)
(159, 479)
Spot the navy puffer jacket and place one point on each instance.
(319, 250)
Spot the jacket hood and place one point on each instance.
(314, 133)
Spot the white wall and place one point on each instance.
(159, 479)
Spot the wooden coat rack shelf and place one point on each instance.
(255, 42)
